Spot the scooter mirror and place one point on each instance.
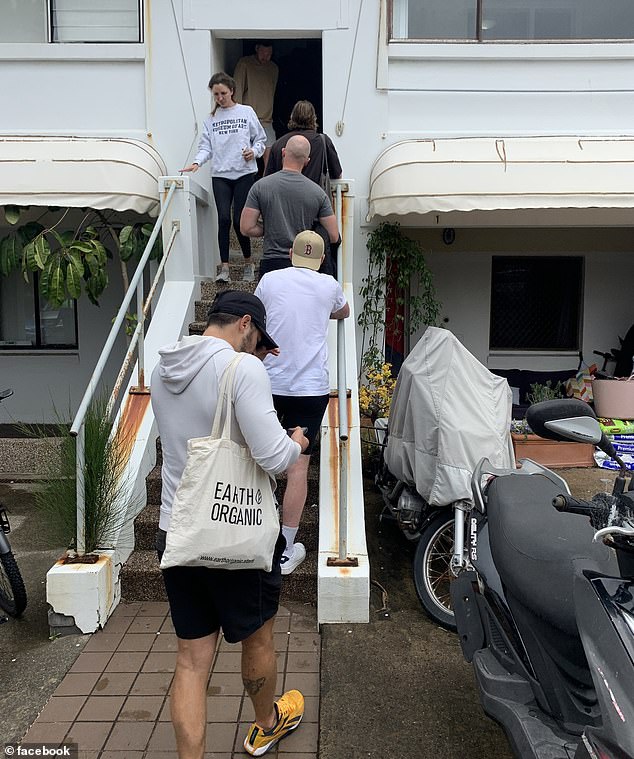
(566, 419)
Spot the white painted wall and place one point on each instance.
(462, 273)
(374, 94)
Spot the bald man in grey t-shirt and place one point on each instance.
(288, 203)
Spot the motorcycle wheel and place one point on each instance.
(432, 569)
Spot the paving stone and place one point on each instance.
(101, 709)
(147, 624)
(46, 732)
(220, 736)
(136, 642)
(91, 662)
(152, 684)
(160, 662)
(305, 682)
(103, 641)
(304, 740)
(62, 709)
(165, 642)
(126, 662)
(130, 735)
(302, 661)
(77, 684)
(89, 735)
(142, 708)
(114, 684)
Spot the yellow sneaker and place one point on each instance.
(290, 710)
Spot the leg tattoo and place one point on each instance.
(253, 687)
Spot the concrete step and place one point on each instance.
(141, 580)
(209, 289)
(234, 245)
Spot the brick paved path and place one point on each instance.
(114, 701)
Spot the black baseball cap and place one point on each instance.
(239, 303)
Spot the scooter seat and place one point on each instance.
(537, 549)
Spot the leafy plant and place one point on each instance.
(545, 392)
(393, 258)
(73, 261)
(105, 488)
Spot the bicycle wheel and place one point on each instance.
(12, 590)
(432, 569)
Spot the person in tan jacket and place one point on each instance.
(256, 79)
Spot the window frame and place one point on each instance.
(139, 40)
(38, 347)
(579, 289)
(477, 39)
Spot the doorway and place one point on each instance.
(300, 77)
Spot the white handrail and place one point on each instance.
(77, 427)
(342, 392)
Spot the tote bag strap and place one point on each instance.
(225, 395)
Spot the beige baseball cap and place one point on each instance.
(308, 250)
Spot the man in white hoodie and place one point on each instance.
(241, 602)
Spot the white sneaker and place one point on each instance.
(223, 276)
(248, 274)
(290, 563)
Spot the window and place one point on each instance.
(27, 323)
(71, 21)
(95, 21)
(536, 303)
(500, 20)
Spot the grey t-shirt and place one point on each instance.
(289, 204)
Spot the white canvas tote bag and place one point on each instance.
(224, 513)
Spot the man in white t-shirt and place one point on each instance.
(299, 303)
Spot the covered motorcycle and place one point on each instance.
(448, 411)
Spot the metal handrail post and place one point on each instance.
(140, 347)
(79, 489)
(342, 390)
(77, 427)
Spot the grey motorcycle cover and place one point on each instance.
(448, 412)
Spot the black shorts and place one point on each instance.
(302, 411)
(239, 601)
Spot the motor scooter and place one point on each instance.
(545, 613)
(447, 409)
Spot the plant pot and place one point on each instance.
(552, 453)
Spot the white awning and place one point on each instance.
(486, 174)
(121, 174)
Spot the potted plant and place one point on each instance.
(552, 453)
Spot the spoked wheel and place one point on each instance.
(432, 569)
(12, 590)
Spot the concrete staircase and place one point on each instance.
(140, 576)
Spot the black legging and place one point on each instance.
(226, 191)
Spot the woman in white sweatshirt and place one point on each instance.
(232, 139)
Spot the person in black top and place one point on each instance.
(303, 121)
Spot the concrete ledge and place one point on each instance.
(343, 592)
(29, 457)
(87, 593)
